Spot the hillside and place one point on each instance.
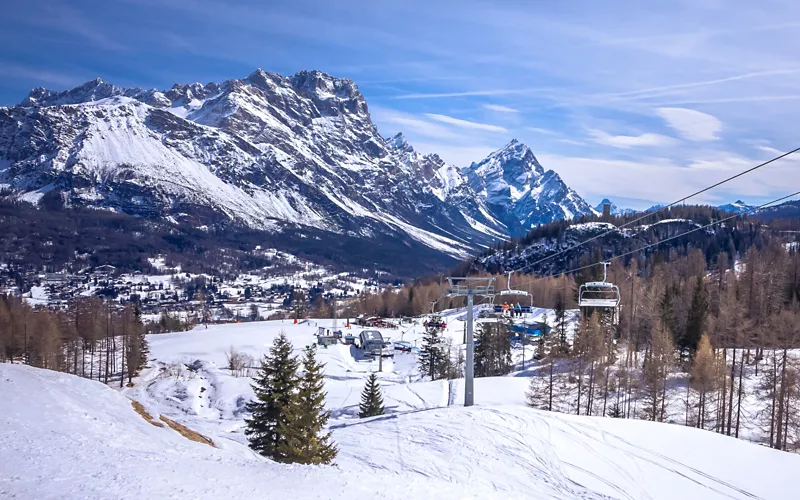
(679, 228)
(293, 157)
(480, 452)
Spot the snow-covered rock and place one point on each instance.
(736, 207)
(520, 192)
(265, 152)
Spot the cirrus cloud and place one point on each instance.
(690, 124)
(630, 141)
(500, 109)
(465, 123)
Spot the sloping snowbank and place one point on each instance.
(66, 437)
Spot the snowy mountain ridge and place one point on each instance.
(520, 192)
(736, 207)
(267, 152)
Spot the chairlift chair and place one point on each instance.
(509, 291)
(601, 295)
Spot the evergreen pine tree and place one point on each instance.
(492, 350)
(433, 358)
(275, 387)
(561, 322)
(696, 324)
(144, 347)
(305, 418)
(615, 411)
(371, 399)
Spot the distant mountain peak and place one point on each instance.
(399, 142)
(267, 150)
(736, 207)
(615, 210)
(521, 192)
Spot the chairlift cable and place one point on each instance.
(699, 228)
(653, 212)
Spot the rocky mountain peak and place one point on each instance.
(93, 90)
(505, 175)
(399, 143)
(272, 150)
(324, 85)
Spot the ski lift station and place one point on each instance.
(373, 344)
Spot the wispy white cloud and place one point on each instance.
(465, 123)
(656, 91)
(407, 122)
(630, 141)
(540, 130)
(736, 100)
(468, 93)
(572, 142)
(69, 20)
(692, 125)
(500, 109)
(665, 180)
(39, 74)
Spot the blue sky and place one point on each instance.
(641, 102)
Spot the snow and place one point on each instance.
(67, 437)
(38, 296)
(498, 449)
(592, 227)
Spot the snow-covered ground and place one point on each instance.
(498, 448)
(67, 437)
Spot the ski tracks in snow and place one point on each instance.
(728, 489)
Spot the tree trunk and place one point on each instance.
(605, 391)
(580, 383)
(550, 388)
(590, 396)
(739, 395)
(779, 436)
(724, 390)
(774, 399)
(730, 395)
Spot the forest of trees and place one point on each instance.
(93, 339)
(55, 237)
(709, 347)
(703, 339)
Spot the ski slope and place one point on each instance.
(67, 437)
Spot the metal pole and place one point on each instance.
(469, 373)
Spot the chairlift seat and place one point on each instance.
(584, 302)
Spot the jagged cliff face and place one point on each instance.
(266, 152)
(520, 192)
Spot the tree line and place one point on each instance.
(706, 346)
(92, 339)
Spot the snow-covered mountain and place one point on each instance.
(520, 192)
(266, 152)
(615, 210)
(736, 207)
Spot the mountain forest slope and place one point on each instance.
(294, 156)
